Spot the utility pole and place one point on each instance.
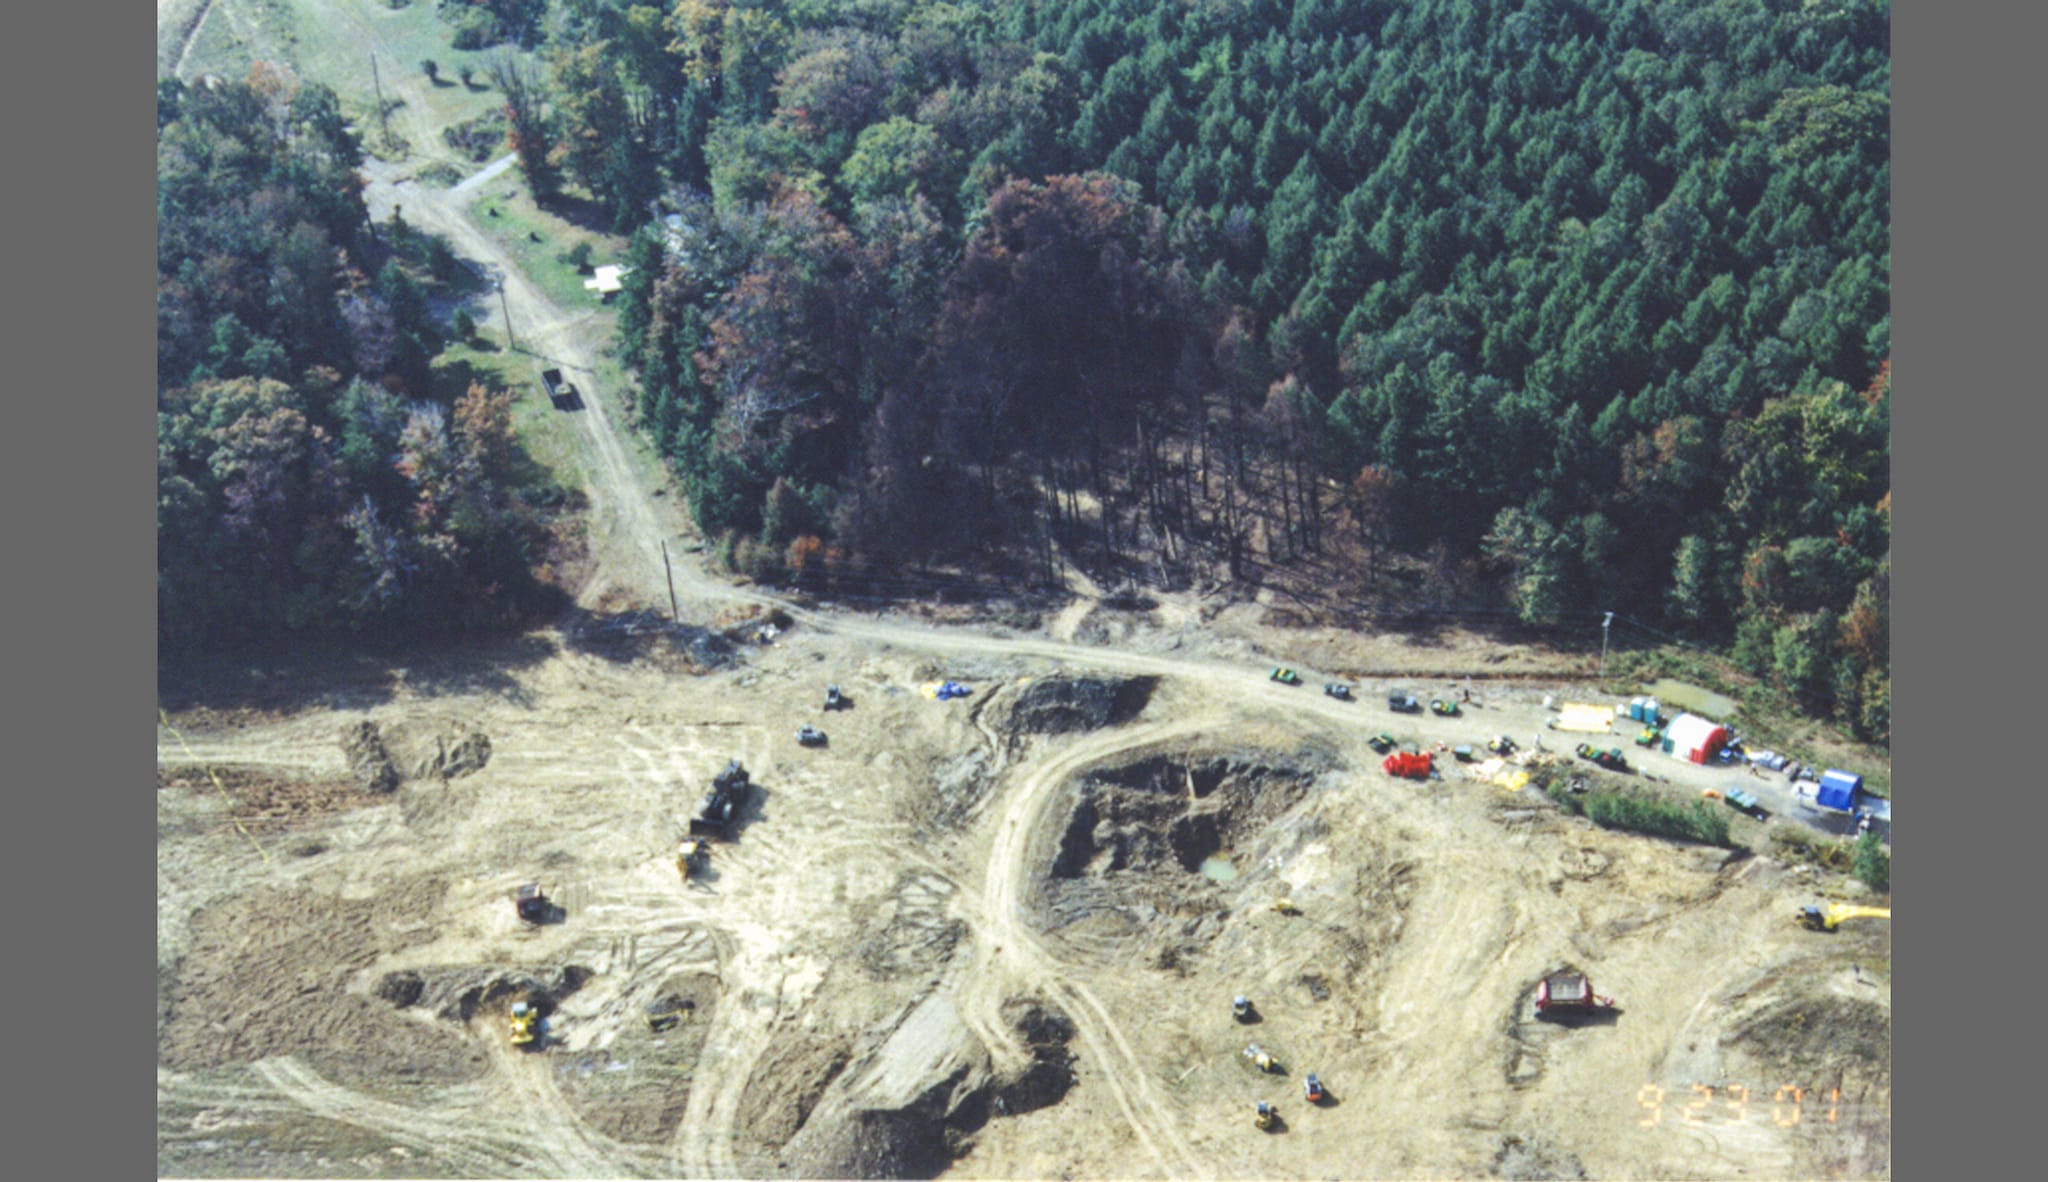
(1603, 648)
(383, 116)
(675, 613)
(499, 278)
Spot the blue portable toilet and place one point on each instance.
(1838, 790)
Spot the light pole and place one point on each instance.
(1604, 624)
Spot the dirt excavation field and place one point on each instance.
(993, 937)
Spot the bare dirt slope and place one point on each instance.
(900, 901)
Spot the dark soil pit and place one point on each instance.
(1140, 833)
(1047, 1032)
(801, 1066)
(1055, 705)
(1813, 1037)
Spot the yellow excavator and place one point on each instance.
(1829, 918)
(523, 1017)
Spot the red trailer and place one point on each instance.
(1561, 994)
(1414, 765)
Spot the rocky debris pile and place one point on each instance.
(1056, 705)
(446, 752)
(906, 1105)
(459, 994)
(369, 761)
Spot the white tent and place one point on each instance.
(1695, 738)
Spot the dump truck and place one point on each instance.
(1338, 690)
(1567, 994)
(810, 736)
(720, 806)
(1444, 707)
(1403, 702)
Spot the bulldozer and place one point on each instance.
(1819, 920)
(523, 1018)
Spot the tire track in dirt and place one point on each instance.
(191, 34)
(570, 1148)
(469, 1141)
(1007, 939)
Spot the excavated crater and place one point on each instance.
(1160, 836)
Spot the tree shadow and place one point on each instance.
(1572, 1019)
(335, 674)
(584, 213)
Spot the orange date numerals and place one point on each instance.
(1738, 1101)
(1651, 1097)
(1834, 1104)
(1779, 1114)
(1704, 1096)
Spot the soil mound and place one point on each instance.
(446, 753)
(369, 761)
(1051, 1073)
(1056, 705)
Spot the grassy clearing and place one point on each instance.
(333, 42)
(543, 431)
(537, 240)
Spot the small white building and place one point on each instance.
(605, 280)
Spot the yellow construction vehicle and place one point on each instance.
(523, 1018)
(691, 855)
(1286, 907)
(1261, 1058)
(1828, 920)
(1264, 1115)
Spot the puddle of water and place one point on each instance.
(1218, 869)
(1685, 696)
